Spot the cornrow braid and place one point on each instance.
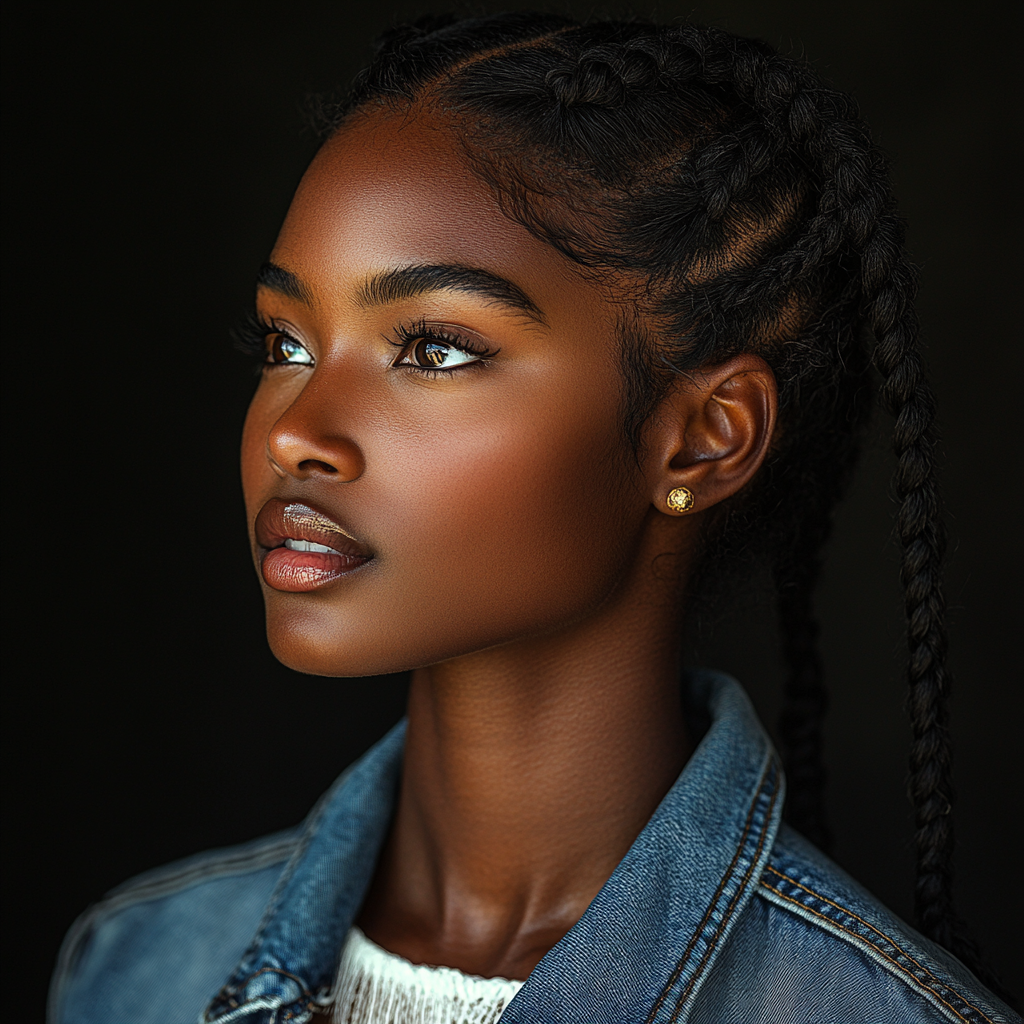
(742, 206)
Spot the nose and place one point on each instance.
(309, 439)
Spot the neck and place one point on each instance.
(529, 770)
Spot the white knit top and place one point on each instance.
(378, 987)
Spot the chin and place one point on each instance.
(321, 642)
(322, 645)
(299, 644)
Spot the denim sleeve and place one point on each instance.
(156, 950)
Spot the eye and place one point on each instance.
(282, 348)
(269, 343)
(434, 354)
(432, 349)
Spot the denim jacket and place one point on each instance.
(718, 913)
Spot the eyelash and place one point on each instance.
(409, 335)
(250, 336)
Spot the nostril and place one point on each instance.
(316, 465)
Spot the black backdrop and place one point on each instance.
(150, 156)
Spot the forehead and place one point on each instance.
(393, 189)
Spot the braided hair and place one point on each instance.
(740, 204)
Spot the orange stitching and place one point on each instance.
(846, 910)
(866, 924)
(714, 899)
(728, 911)
(877, 949)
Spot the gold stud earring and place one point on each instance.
(680, 499)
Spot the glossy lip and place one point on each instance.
(300, 571)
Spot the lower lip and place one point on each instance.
(298, 571)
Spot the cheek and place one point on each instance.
(516, 526)
(492, 521)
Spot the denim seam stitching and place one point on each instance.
(732, 903)
(878, 949)
(887, 938)
(707, 913)
(199, 872)
(674, 977)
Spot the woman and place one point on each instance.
(565, 324)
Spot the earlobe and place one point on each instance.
(712, 434)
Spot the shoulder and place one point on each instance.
(814, 945)
(165, 941)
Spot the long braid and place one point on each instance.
(857, 193)
(862, 200)
(889, 291)
(857, 189)
(922, 535)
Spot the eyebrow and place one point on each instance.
(407, 282)
(418, 279)
(277, 279)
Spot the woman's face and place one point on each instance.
(447, 392)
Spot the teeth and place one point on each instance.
(309, 545)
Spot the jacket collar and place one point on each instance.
(638, 953)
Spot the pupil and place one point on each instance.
(434, 353)
(283, 349)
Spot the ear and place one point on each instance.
(711, 433)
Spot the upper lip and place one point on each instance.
(280, 519)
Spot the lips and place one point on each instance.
(302, 548)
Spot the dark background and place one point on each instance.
(149, 160)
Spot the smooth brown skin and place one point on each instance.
(526, 565)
